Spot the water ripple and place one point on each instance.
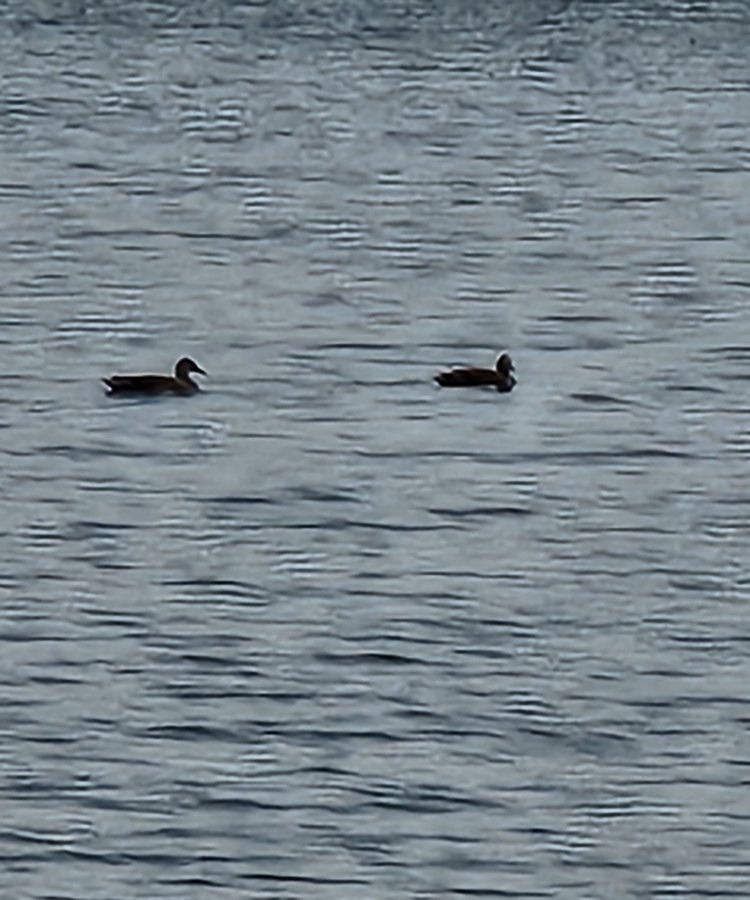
(324, 630)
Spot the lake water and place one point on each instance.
(324, 630)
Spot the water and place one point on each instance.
(324, 630)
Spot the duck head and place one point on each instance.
(504, 365)
(183, 368)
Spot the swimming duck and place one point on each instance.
(180, 383)
(500, 377)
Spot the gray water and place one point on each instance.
(325, 630)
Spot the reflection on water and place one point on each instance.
(324, 630)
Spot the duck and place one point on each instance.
(180, 383)
(500, 377)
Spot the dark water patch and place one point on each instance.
(240, 500)
(145, 236)
(224, 693)
(51, 739)
(693, 389)
(581, 457)
(209, 662)
(520, 893)
(480, 512)
(367, 658)
(686, 582)
(312, 881)
(176, 644)
(83, 529)
(419, 715)
(476, 652)
(600, 399)
(188, 882)
(471, 575)
(131, 858)
(730, 376)
(106, 484)
(302, 735)
(435, 799)
(349, 524)
(54, 680)
(579, 318)
(105, 565)
(218, 587)
(323, 495)
(17, 636)
(85, 454)
(408, 636)
(191, 733)
(734, 353)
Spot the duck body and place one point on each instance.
(501, 377)
(180, 384)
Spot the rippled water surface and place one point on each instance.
(324, 630)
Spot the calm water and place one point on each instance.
(323, 630)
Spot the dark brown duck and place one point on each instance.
(151, 385)
(501, 377)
